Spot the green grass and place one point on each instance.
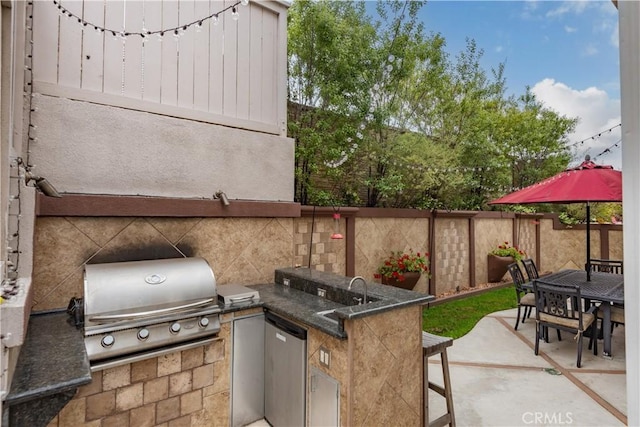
(454, 319)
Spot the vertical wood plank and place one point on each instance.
(133, 15)
(169, 78)
(230, 67)
(70, 48)
(244, 58)
(185, 55)
(280, 72)
(201, 57)
(45, 42)
(269, 63)
(255, 69)
(114, 15)
(216, 60)
(92, 47)
(152, 50)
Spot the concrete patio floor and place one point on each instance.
(497, 380)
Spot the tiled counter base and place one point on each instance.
(187, 388)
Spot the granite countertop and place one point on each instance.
(299, 300)
(52, 360)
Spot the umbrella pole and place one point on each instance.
(588, 263)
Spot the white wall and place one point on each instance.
(629, 20)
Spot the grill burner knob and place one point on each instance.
(204, 322)
(175, 328)
(107, 341)
(143, 334)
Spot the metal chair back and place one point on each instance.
(606, 266)
(530, 268)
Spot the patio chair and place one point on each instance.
(560, 307)
(525, 298)
(530, 268)
(606, 266)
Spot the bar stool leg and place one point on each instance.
(425, 389)
(444, 391)
(447, 387)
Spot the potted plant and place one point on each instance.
(403, 269)
(499, 259)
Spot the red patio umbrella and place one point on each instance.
(586, 183)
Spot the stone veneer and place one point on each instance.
(326, 254)
(567, 249)
(452, 247)
(190, 388)
(376, 238)
(379, 368)
(239, 250)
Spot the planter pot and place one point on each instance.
(497, 267)
(410, 280)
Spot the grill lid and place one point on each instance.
(134, 289)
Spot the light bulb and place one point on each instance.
(234, 14)
(244, 2)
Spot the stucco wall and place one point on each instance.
(95, 149)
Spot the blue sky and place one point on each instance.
(566, 51)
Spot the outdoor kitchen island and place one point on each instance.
(373, 351)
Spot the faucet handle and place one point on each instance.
(358, 300)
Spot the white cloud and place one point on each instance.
(596, 113)
(590, 50)
(569, 29)
(567, 7)
(499, 49)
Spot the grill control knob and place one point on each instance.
(107, 341)
(204, 322)
(175, 328)
(143, 334)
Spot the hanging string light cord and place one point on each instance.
(594, 137)
(146, 33)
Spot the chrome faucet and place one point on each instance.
(364, 282)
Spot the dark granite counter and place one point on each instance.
(52, 364)
(300, 301)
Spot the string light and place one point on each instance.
(595, 136)
(176, 31)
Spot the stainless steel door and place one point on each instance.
(324, 400)
(247, 386)
(285, 372)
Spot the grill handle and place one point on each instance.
(237, 300)
(128, 316)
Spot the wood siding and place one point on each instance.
(225, 73)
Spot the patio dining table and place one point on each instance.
(607, 288)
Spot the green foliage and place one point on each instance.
(403, 262)
(456, 318)
(381, 115)
(505, 249)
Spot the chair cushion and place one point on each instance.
(617, 314)
(587, 320)
(528, 299)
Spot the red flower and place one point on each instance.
(399, 263)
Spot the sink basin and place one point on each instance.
(330, 315)
(345, 297)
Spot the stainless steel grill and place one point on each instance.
(133, 310)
